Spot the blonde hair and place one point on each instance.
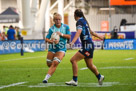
(56, 15)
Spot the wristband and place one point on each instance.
(62, 34)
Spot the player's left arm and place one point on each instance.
(67, 35)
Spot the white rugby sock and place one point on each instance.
(47, 77)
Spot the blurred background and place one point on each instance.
(36, 15)
(31, 19)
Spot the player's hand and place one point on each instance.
(59, 33)
(102, 37)
(55, 41)
(71, 44)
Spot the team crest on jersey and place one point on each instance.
(87, 53)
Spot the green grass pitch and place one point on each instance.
(26, 73)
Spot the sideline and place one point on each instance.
(62, 84)
(11, 85)
(21, 58)
(128, 58)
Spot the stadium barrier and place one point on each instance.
(7, 47)
(99, 43)
(121, 35)
(120, 44)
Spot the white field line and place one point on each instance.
(114, 67)
(21, 58)
(119, 67)
(84, 68)
(62, 84)
(80, 84)
(128, 58)
(28, 58)
(11, 85)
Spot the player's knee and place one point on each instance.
(49, 62)
(72, 60)
(55, 64)
(57, 60)
(94, 67)
(91, 66)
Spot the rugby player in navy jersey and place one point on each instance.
(86, 52)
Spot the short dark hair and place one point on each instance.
(10, 26)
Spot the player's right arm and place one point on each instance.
(47, 39)
(78, 33)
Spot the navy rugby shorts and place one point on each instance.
(88, 53)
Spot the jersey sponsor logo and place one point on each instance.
(87, 53)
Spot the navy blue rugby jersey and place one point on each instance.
(85, 35)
